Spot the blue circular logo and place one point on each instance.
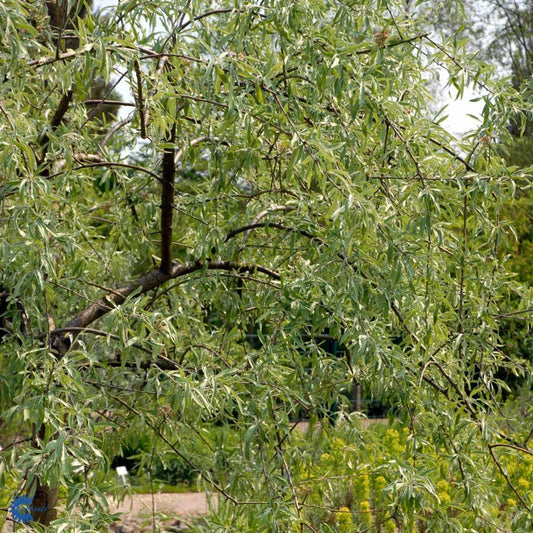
(20, 509)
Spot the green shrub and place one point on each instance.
(172, 471)
(377, 486)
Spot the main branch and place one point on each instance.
(167, 202)
(56, 121)
(150, 281)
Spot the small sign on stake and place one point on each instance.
(122, 472)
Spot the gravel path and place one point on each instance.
(182, 503)
(178, 508)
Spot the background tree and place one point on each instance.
(292, 184)
(502, 32)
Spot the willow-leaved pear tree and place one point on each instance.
(275, 180)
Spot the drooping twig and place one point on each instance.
(206, 14)
(105, 101)
(108, 91)
(117, 126)
(506, 477)
(193, 143)
(140, 99)
(121, 165)
(392, 44)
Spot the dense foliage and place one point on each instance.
(276, 181)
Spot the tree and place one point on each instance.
(291, 183)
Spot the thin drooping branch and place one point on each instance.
(246, 229)
(61, 57)
(167, 202)
(202, 99)
(506, 477)
(89, 161)
(476, 81)
(521, 449)
(405, 143)
(108, 88)
(95, 160)
(162, 362)
(514, 313)
(266, 212)
(455, 155)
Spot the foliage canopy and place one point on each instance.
(276, 180)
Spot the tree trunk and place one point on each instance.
(43, 507)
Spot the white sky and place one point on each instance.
(458, 111)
